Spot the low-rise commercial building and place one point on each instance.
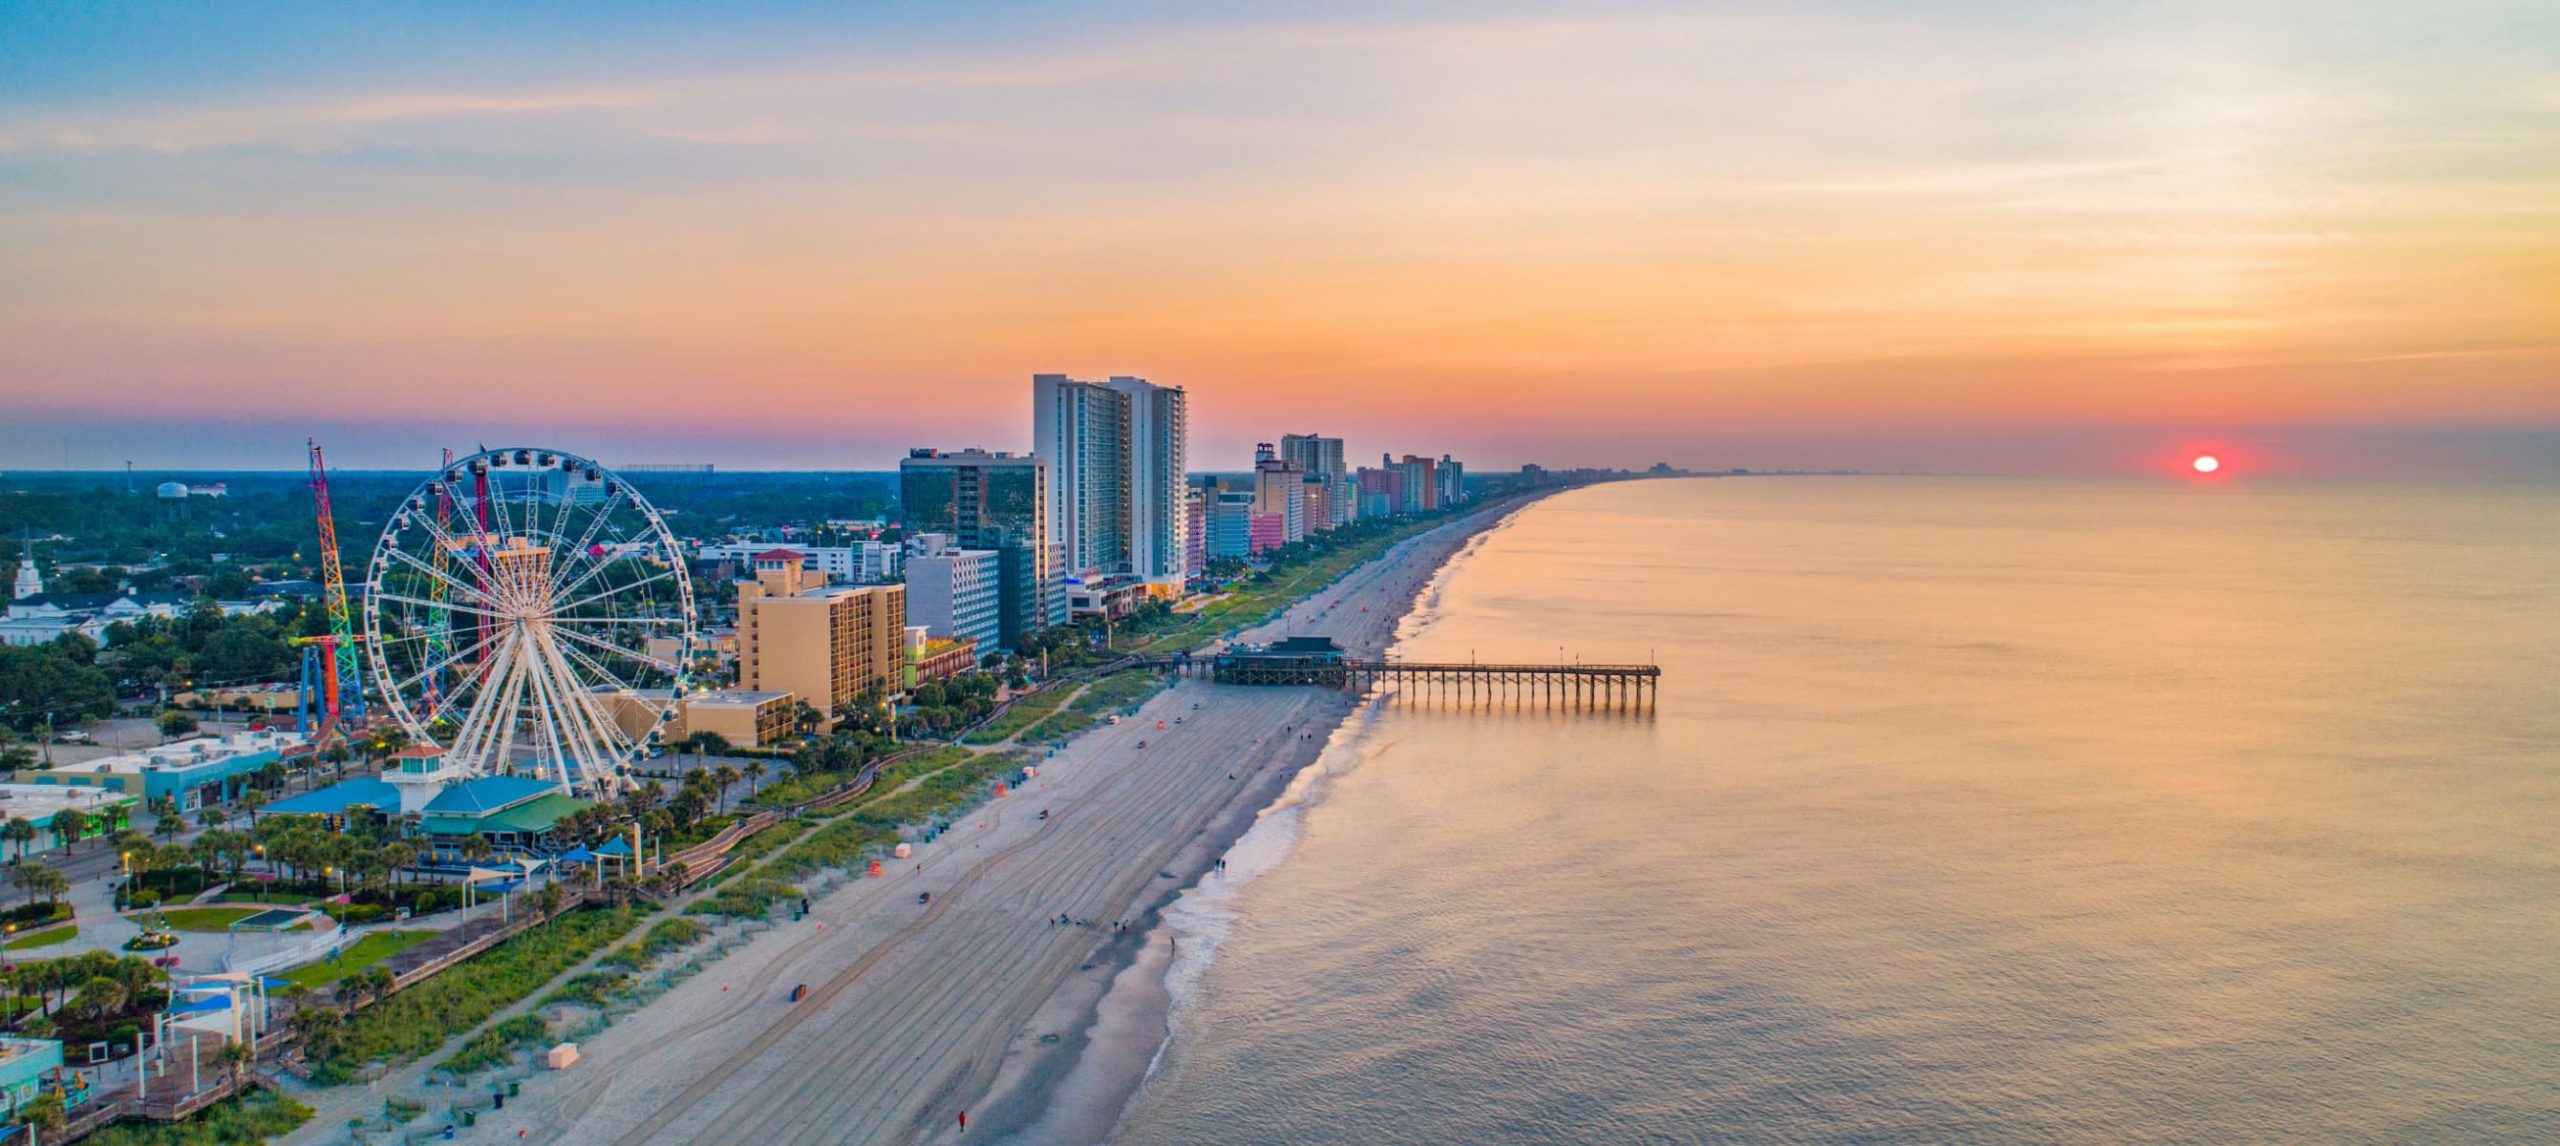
(25, 1065)
(865, 563)
(39, 803)
(1111, 597)
(195, 773)
(930, 658)
(748, 718)
(507, 811)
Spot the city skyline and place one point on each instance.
(1995, 239)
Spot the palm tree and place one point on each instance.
(725, 775)
(549, 900)
(755, 777)
(166, 819)
(399, 856)
(356, 989)
(236, 1057)
(28, 879)
(68, 826)
(102, 996)
(318, 1029)
(20, 831)
(206, 848)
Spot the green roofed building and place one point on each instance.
(507, 811)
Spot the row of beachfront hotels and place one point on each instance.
(1099, 517)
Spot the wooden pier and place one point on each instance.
(1597, 687)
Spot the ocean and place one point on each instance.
(1973, 810)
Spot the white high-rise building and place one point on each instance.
(1118, 452)
(1082, 428)
(1159, 453)
(954, 592)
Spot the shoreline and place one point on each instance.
(1116, 1012)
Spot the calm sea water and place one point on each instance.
(1974, 811)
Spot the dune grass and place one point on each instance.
(367, 951)
(1027, 711)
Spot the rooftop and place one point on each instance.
(488, 794)
(534, 816)
(335, 799)
(12, 1047)
(38, 802)
(745, 697)
(187, 753)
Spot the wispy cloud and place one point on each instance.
(1956, 211)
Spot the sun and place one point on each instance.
(2207, 463)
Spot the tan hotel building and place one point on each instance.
(826, 643)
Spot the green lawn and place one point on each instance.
(200, 918)
(366, 952)
(277, 898)
(45, 938)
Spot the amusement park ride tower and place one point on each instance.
(332, 681)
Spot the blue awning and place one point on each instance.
(577, 855)
(500, 886)
(198, 1006)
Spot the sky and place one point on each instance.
(2038, 237)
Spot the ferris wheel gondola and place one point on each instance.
(527, 611)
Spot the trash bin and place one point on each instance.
(515, 1087)
(471, 1118)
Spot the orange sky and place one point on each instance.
(1480, 227)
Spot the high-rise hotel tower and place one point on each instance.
(1117, 453)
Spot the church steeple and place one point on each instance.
(30, 582)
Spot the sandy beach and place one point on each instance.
(981, 1001)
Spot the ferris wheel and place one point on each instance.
(528, 612)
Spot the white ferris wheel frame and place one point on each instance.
(515, 629)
